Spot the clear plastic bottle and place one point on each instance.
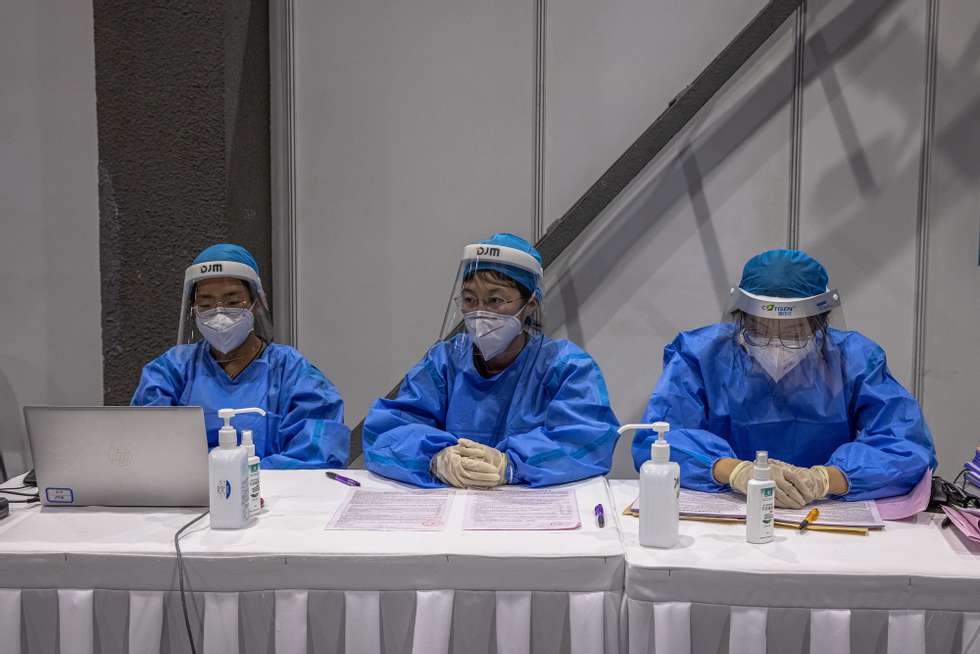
(760, 501)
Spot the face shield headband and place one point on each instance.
(775, 308)
(210, 269)
(480, 256)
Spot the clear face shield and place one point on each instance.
(230, 299)
(779, 334)
(491, 299)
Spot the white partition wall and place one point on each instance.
(415, 132)
(663, 257)
(414, 129)
(611, 68)
(50, 309)
(952, 338)
(861, 145)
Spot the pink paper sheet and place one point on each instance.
(906, 506)
(966, 520)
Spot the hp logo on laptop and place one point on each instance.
(120, 456)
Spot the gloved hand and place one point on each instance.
(788, 494)
(492, 456)
(462, 472)
(813, 483)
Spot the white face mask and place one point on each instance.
(225, 328)
(778, 360)
(492, 332)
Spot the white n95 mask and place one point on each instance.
(778, 360)
(492, 332)
(225, 328)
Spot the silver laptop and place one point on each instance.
(119, 456)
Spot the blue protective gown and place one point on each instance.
(840, 406)
(548, 411)
(304, 426)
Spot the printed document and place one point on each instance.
(369, 510)
(521, 509)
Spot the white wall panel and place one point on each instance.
(612, 68)
(952, 370)
(50, 320)
(663, 256)
(862, 136)
(414, 137)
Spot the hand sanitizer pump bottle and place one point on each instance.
(760, 501)
(659, 491)
(228, 476)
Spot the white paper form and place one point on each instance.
(521, 510)
(836, 513)
(732, 505)
(367, 510)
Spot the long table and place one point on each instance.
(81, 580)
(104, 580)
(912, 588)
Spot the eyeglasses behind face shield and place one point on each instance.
(468, 302)
(208, 304)
(792, 334)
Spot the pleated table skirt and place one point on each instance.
(301, 621)
(688, 628)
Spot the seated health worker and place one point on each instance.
(495, 402)
(780, 378)
(225, 358)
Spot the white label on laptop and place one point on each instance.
(59, 495)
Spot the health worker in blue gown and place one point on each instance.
(495, 402)
(781, 377)
(225, 358)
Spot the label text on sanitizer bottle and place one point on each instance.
(768, 504)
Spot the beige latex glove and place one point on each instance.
(490, 455)
(788, 495)
(462, 472)
(813, 483)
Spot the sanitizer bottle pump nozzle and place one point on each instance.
(660, 449)
(227, 436)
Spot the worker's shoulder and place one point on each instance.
(851, 338)
(279, 354)
(703, 338)
(445, 350)
(562, 352)
(178, 354)
(850, 341)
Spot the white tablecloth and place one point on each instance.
(103, 580)
(912, 588)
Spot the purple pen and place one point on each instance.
(343, 480)
(600, 515)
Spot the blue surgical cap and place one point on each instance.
(786, 274)
(228, 252)
(525, 278)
